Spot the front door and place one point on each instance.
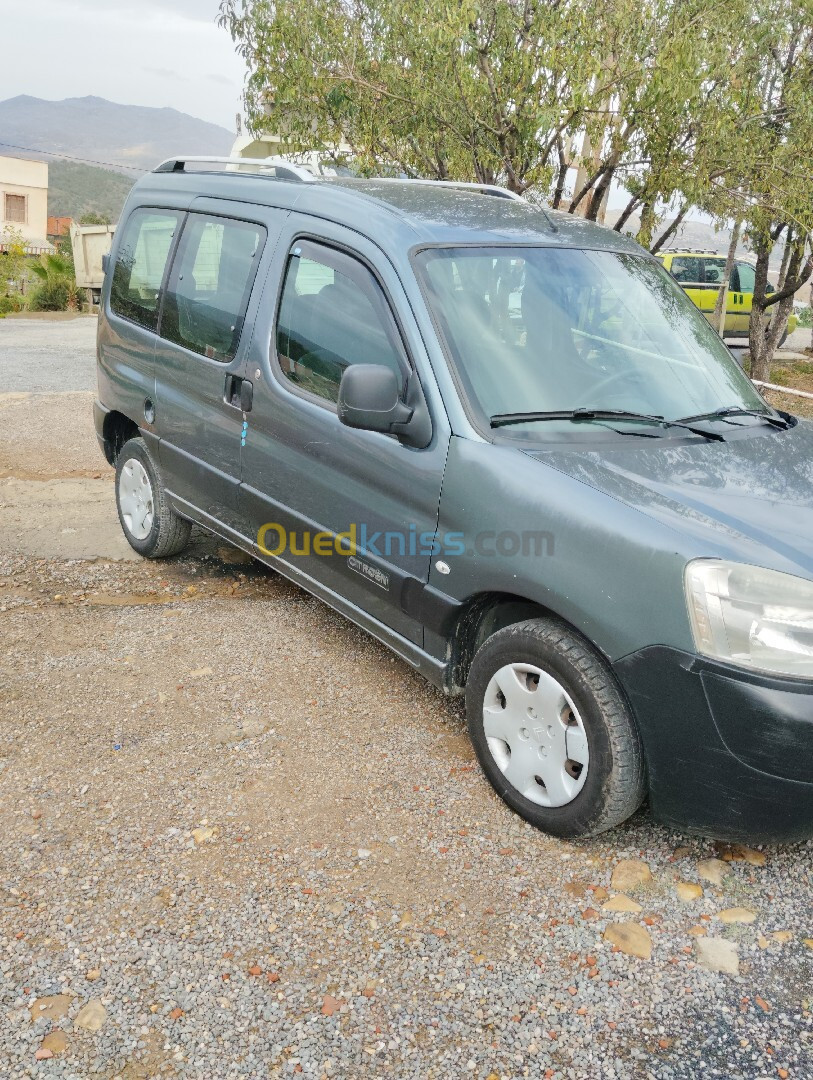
(353, 511)
(200, 361)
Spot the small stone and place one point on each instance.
(53, 1008)
(716, 954)
(737, 915)
(782, 936)
(56, 1041)
(330, 1005)
(808, 941)
(200, 673)
(176, 1013)
(255, 969)
(680, 852)
(630, 938)
(630, 873)
(364, 853)
(93, 974)
(698, 931)
(43, 1054)
(688, 891)
(749, 855)
(621, 902)
(713, 870)
(92, 1016)
(201, 835)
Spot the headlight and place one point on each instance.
(757, 618)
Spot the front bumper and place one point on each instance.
(729, 752)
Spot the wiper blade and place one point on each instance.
(736, 410)
(504, 419)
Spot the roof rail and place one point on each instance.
(484, 189)
(284, 169)
(279, 167)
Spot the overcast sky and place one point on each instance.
(137, 52)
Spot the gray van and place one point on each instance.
(506, 444)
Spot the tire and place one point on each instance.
(151, 526)
(579, 730)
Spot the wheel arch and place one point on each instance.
(116, 431)
(485, 614)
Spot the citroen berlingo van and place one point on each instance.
(505, 443)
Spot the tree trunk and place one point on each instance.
(668, 233)
(760, 360)
(722, 296)
(764, 339)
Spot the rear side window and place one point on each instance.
(141, 259)
(333, 313)
(210, 283)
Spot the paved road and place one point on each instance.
(45, 356)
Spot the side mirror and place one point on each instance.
(370, 399)
(105, 263)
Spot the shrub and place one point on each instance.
(9, 304)
(806, 317)
(50, 296)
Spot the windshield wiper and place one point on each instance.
(736, 410)
(504, 419)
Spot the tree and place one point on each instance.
(683, 103)
(769, 179)
(483, 92)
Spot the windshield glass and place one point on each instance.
(546, 329)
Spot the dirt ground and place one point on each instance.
(240, 838)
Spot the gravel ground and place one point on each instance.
(239, 839)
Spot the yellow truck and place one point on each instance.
(701, 275)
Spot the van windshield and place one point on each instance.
(546, 330)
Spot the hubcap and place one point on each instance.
(136, 499)
(535, 735)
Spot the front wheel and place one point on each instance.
(151, 526)
(552, 731)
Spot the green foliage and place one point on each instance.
(683, 103)
(12, 259)
(10, 304)
(56, 287)
(806, 317)
(94, 219)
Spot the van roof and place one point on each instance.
(404, 212)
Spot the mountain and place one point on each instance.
(75, 190)
(128, 138)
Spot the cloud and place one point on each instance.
(166, 73)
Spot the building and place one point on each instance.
(58, 227)
(24, 201)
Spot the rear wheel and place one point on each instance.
(151, 526)
(552, 730)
